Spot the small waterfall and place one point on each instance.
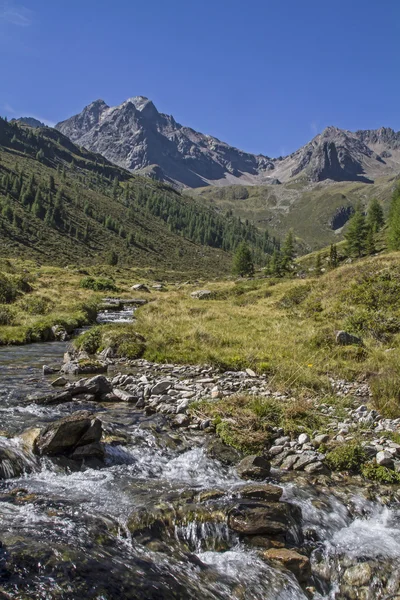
(205, 536)
(15, 459)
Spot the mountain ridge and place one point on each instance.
(137, 137)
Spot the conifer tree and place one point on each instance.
(393, 236)
(356, 234)
(318, 264)
(375, 220)
(370, 241)
(243, 265)
(333, 256)
(288, 251)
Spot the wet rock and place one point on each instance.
(253, 467)
(50, 369)
(227, 455)
(93, 450)
(181, 420)
(266, 492)
(263, 519)
(343, 338)
(59, 382)
(210, 495)
(358, 575)
(51, 398)
(297, 563)
(65, 435)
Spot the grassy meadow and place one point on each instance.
(284, 328)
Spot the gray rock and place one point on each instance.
(323, 438)
(181, 420)
(384, 458)
(201, 294)
(124, 396)
(274, 450)
(161, 387)
(289, 462)
(343, 338)
(98, 385)
(51, 398)
(303, 438)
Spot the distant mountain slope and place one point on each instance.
(60, 203)
(31, 121)
(134, 135)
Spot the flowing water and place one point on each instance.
(68, 533)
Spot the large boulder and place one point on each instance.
(254, 467)
(64, 436)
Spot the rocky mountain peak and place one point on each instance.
(134, 135)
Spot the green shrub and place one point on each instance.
(98, 285)
(90, 341)
(8, 289)
(371, 470)
(294, 296)
(36, 305)
(386, 394)
(6, 316)
(375, 323)
(124, 340)
(347, 457)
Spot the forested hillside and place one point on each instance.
(60, 203)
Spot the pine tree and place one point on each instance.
(243, 265)
(288, 252)
(112, 258)
(333, 257)
(393, 236)
(318, 264)
(370, 241)
(356, 234)
(276, 263)
(375, 220)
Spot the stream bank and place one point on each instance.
(166, 515)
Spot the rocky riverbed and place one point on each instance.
(113, 487)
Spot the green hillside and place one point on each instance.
(61, 204)
(307, 208)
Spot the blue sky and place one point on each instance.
(262, 75)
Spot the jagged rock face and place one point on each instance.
(134, 135)
(334, 154)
